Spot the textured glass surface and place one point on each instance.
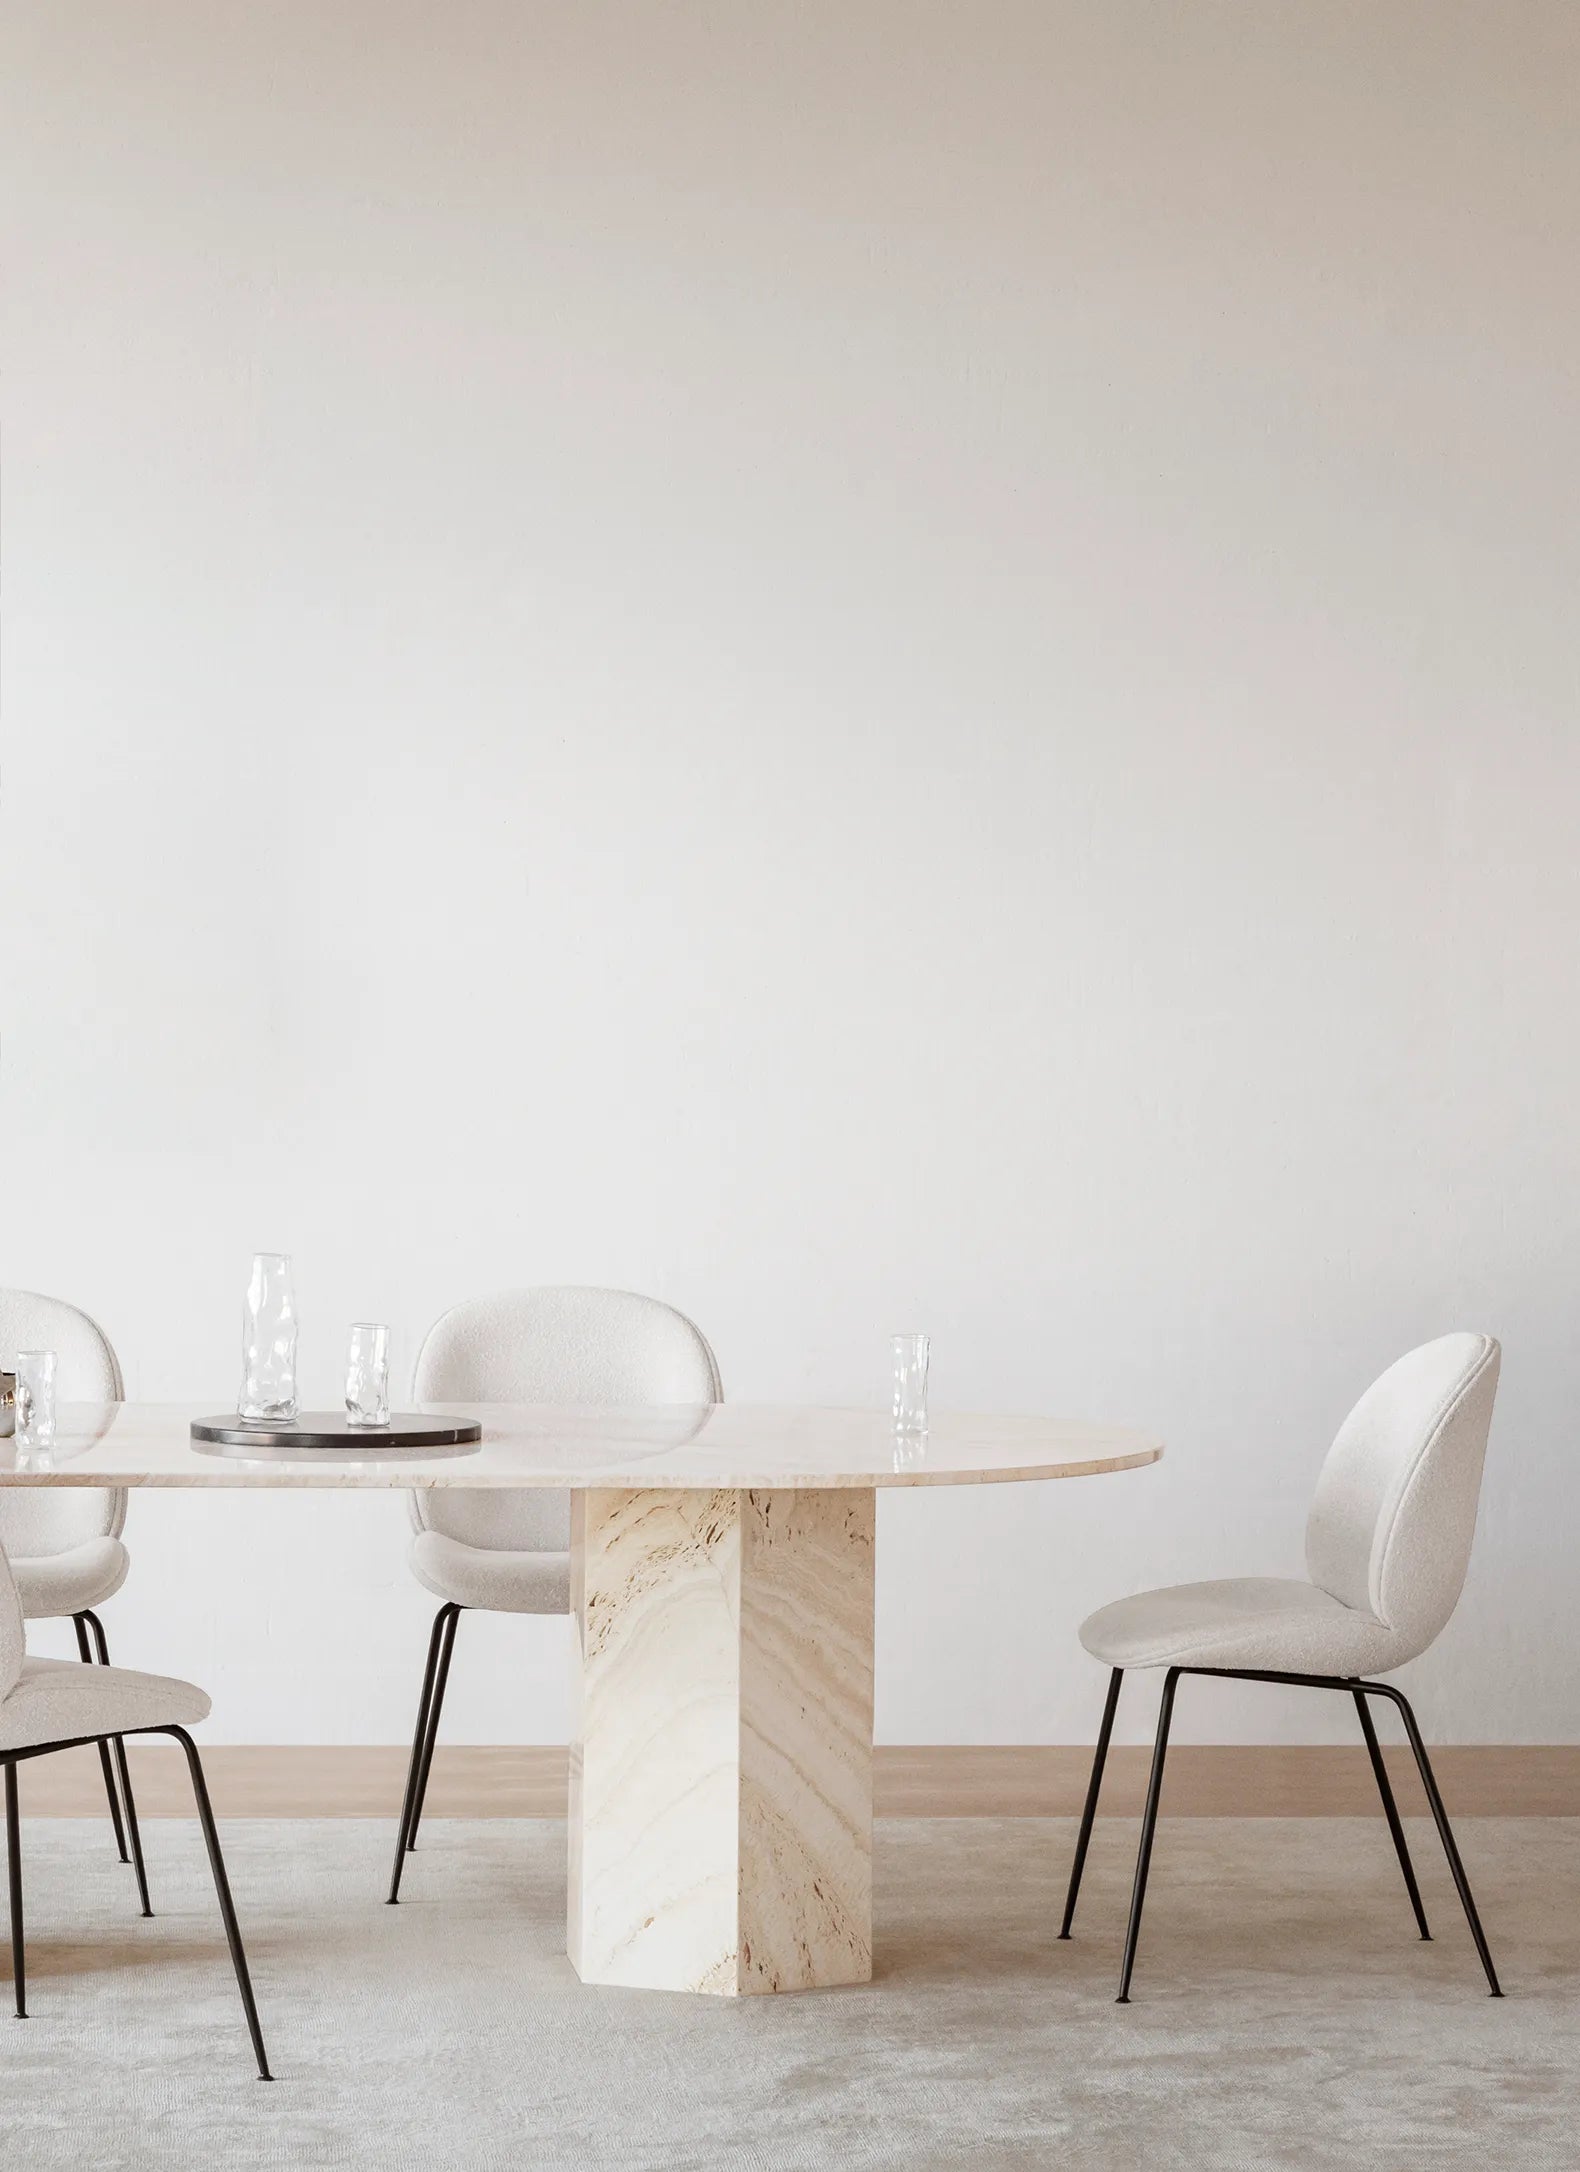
(910, 1383)
(35, 1400)
(268, 1342)
(368, 1374)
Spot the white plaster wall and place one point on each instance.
(866, 666)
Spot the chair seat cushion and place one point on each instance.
(66, 1583)
(497, 1582)
(1278, 1623)
(59, 1700)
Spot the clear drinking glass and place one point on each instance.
(35, 1400)
(368, 1374)
(268, 1342)
(910, 1383)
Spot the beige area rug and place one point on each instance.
(1286, 2015)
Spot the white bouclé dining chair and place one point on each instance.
(55, 1704)
(508, 1551)
(1387, 1547)
(67, 1556)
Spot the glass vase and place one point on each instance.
(268, 1343)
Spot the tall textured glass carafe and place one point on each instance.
(268, 1342)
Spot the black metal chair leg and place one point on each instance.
(1445, 1831)
(414, 1762)
(1391, 1811)
(1093, 1789)
(1149, 1822)
(117, 1744)
(132, 1832)
(227, 1909)
(13, 1855)
(434, 1711)
(79, 1622)
(418, 1740)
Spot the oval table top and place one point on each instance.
(729, 1445)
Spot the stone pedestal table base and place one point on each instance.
(721, 1764)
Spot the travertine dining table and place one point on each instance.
(722, 1586)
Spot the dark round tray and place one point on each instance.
(330, 1432)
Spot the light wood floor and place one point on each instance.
(926, 1781)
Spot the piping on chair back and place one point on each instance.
(1395, 1507)
(37, 1520)
(550, 1346)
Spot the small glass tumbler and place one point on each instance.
(35, 1401)
(368, 1374)
(910, 1383)
(268, 1343)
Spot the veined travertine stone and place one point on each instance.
(721, 1767)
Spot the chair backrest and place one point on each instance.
(13, 1635)
(51, 1519)
(1395, 1507)
(551, 1346)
